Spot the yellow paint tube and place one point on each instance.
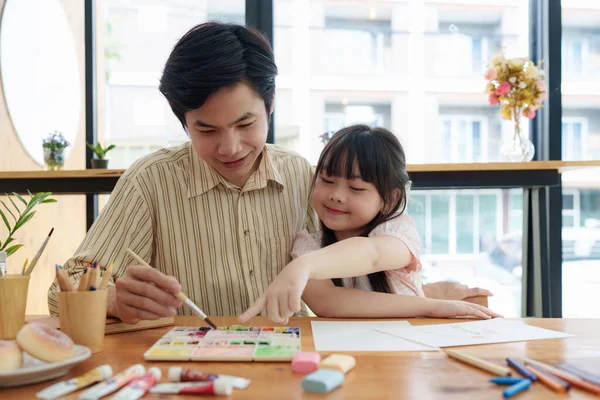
(62, 388)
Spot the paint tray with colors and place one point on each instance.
(228, 343)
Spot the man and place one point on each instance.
(215, 217)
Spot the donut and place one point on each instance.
(46, 343)
(10, 355)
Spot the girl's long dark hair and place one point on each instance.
(380, 159)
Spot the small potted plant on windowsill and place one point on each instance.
(54, 147)
(100, 152)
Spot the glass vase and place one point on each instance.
(517, 148)
(54, 160)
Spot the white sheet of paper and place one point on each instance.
(361, 336)
(496, 330)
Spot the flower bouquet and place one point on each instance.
(517, 85)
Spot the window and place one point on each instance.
(466, 229)
(351, 46)
(580, 141)
(43, 90)
(439, 218)
(515, 210)
(465, 236)
(463, 140)
(338, 116)
(406, 54)
(574, 139)
(459, 54)
(457, 222)
(479, 54)
(570, 211)
(573, 53)
(138, 37)
(589, 201)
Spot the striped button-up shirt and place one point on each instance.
(223, 243)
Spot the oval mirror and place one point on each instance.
(40, 72)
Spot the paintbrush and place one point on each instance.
(25, 266)
(180, 295)
(38, 254)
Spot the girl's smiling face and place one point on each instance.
(345, 205)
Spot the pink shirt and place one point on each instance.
(406, 280)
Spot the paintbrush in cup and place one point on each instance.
(180, 295)
(25, 266)
(38, 254)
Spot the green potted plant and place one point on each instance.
(19, 216)
(100, 152)
(54, 147)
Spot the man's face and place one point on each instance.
(229, 132)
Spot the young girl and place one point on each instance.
(366, 243)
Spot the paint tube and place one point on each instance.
(178, 374)
(217, 387)
(116, 382)
(62, 388)
(138, 387)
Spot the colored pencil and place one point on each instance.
(60, 280)
(520, 368)
(585, 375)
(505, 380)
(83, 281)
(180, 295)
(572, 379)
(479, 363)
(38, 254)
(516, 388)
(97, 278)
(554, 383)
(93, 285)
(106, 277)
(63, 282)
(91, 278)
(25, 266)
(70, 285)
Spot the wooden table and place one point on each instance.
(400, 375)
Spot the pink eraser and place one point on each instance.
(305, 362)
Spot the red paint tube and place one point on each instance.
(219, 387)
(178, 374)
(139, 386)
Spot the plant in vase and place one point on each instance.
(325, 137)
(54, 150)
(20, 217)
(517, 85)
(100, 152)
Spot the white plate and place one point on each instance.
(43, 372)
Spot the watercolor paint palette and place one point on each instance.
(227, 343)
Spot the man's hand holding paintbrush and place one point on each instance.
(144, 293)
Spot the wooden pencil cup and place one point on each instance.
(83, 317)
(13, 301)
